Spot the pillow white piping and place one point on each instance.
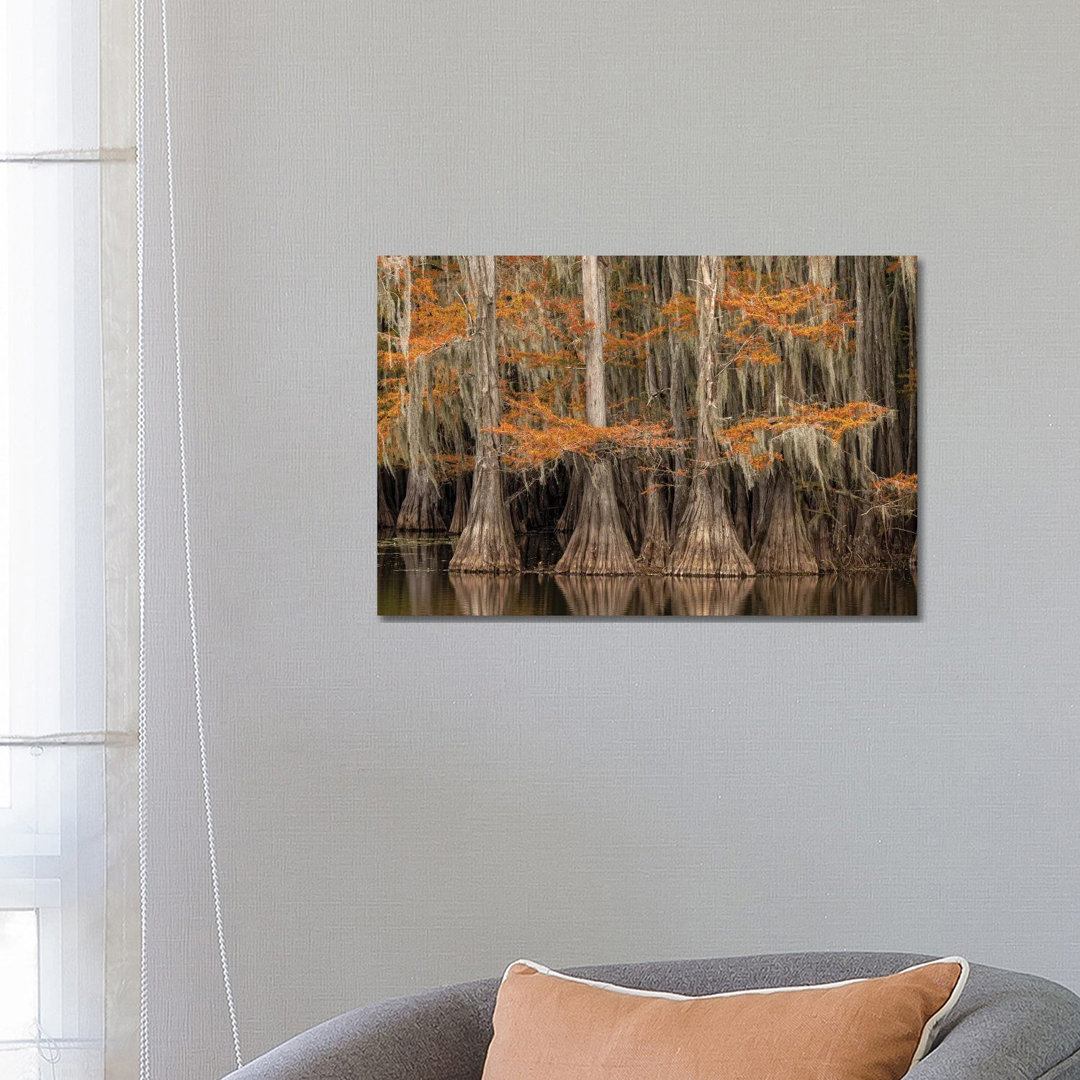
(931, 1025)
(920, 1051)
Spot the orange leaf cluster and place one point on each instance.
(536, 435)
(896, 487)
(454, 465)
(754, 348)
(434, 324)
(742, 438)
(679, 313)
(896, 496)
(548, 325)
(389, 404)
(387, 359)
(629, 345)
(391, 397)
(760, 462)
(764, 312)
(808, 312)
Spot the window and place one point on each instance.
(19, 951)
(52, 683)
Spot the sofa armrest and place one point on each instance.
(1007, 1026)
(438, 1035)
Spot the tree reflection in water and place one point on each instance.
(413, 580)
(709, 596)
(592, 595)
(486, 594)
(792, 594)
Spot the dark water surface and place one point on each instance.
(414, 580)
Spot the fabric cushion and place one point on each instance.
(550, 1026)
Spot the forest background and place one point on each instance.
(662, 415)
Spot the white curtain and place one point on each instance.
(53, 884)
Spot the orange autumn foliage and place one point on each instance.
(763, 312)
(434, 324)
(390, 401)
(744, 437)
(438, 317)
(899, 486)
(541, 343)
(896, 496)
(761, 462)
(451, 466)
(535, 435)
(678, 314)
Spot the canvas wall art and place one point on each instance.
(647, 435)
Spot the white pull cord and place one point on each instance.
(140, 198)
(140, 455)
(197, 679)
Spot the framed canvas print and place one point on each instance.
(652, 435)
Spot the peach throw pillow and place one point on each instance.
(550, 1026)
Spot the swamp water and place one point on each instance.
(413, 579)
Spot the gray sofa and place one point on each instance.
(1006, 1026)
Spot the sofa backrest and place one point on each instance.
(1006, 1026)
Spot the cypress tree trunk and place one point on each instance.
(843, 528)
(461, 507)
(868, 548)
(706, 543)
(598, 544)
(875, 358)
(654, 547)
(487, 544)
(740, 513)
(387, 518)
(677, 368)
(784, 546)
(574, 487)
(420, 508)
(821, 537)
(631, 505)
(876, 451)
(910, 267)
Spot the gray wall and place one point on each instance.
(409, 803)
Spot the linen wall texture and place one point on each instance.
(402, 804)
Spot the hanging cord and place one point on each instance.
(207, 803)
(140, 456)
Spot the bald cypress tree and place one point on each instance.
(598, 544)
(420, 508)
(706, 542)
(487, 544)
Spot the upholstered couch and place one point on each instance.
(1006, 1026)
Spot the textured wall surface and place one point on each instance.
(408, 803)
